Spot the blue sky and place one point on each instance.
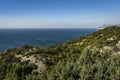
(58, 13)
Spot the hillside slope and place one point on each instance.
(92, 57)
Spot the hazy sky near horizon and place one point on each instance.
(58, 13)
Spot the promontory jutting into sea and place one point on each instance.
(59, 39)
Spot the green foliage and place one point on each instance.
(92, 65)
(73, 60)
(11, 68)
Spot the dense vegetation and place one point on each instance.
(92, 57)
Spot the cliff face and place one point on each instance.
(67, 61)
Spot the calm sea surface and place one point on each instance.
(11, 38)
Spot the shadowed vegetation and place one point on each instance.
(92, 57)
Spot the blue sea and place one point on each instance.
(11, 38)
